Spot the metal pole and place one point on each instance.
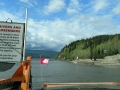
(41, 74)
(41, 71)
(25, 34)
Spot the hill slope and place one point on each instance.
(91, 48)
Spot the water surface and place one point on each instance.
(67, 72)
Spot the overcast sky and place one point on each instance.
(52, 24)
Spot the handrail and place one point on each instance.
(82, 84)
(22, 75)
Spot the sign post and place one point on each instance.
(25, 34)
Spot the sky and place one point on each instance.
(53, 24)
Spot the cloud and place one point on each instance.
(29, 2)
(24, 1)
(100, 5)
(54, 6)
(116, 9)
(2, 4)
(4, 15)
(73, 7)
(101, 24)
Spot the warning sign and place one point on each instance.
(11, 41)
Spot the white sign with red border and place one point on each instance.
(11, 41)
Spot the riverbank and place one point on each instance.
(109, 60)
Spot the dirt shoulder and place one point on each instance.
(109, 60)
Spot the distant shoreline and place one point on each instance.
(109, 60)
(85, 61)
(90, 62)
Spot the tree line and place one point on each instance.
(96, 47)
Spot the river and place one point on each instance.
(67, 72)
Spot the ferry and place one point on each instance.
(15, 69)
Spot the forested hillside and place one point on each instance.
(96, 47)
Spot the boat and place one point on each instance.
(15, 69)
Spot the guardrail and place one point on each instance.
(22, 75)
